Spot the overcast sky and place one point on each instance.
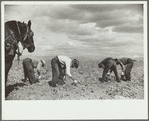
(90, 30)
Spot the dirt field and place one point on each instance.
(89, 87)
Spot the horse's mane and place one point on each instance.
(13, 26)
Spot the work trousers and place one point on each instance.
(58, 72)
(29, 70)
(128, 69)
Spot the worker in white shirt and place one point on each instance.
(60, 67)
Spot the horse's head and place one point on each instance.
(27, 37)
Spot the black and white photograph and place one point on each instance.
(88, 55)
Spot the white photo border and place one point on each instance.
(75, 109)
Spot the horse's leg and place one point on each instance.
(9, 57)
(7, 68)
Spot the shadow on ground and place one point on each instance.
(10, 88)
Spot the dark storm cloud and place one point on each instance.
(103, 15)
(107, 23)
(128, 29)
(108, 7)
(62, 12)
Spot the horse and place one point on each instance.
(16, 33)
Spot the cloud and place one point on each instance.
(83, 29)
(108, 7)
(69, 27)
(110, 15)
(128, 29)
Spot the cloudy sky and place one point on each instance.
(85, 30)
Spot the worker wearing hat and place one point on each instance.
(60, 67)
(126, 64)
(29, 66)
(109, 65)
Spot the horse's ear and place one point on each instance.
(29, 24)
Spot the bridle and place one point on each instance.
(25, 36)
(20, 36)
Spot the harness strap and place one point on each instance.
(20, 40)
(19, 31)
(15, 40)
(25, 36)
(11, 34)
(8, 37)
